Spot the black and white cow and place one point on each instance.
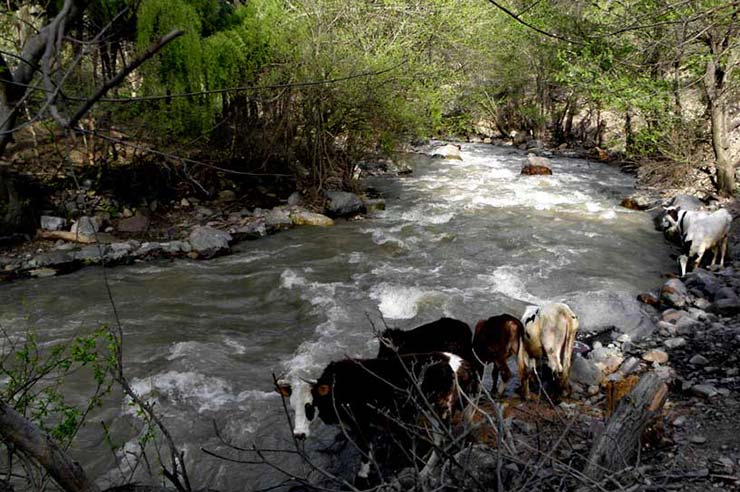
(376, 397)
(444, 335)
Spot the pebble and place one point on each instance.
(676, 342)
(655, 356)
(697, 439)
(698, 360)
(704, 390)
(679, 421)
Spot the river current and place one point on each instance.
(466, 239)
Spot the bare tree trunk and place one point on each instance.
(724, 164)
(25, 436)
(616, 447)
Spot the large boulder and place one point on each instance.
(343, 204)
(207, 242)
(50, 223)
(638, 201)
(449, 151)
(86, 226)
(537, 166)
(585, 372)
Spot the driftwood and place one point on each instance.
(66, 236)
(616, 447)
(24, 435)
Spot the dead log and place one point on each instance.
(617, 446)
(66, 236)
(27, 437)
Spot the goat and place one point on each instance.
(549, 332)
(706, 232)
(495, 340)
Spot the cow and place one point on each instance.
(444, 335)
(495, 340)
(549, 331)
(380, 397)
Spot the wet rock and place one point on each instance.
(373, 204)
(537, 166)
(672, 315)
(137, 223)
(304, 217)
(120, 251)
(253, 229)
(42, 272)
(50, 259)
(277, 219)
(50, 223)
(674, 343)
(703, 281)
(698, 360)
(585, 372)
(176, 247)
(449, 151)
(86, 226)
(92, 254)
(674, 294)
(638, 201)
(704, 390)
(343, 204)
(208, 242)
(148, 249)
(649, 299)
(656, 355)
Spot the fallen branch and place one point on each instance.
(66, 236)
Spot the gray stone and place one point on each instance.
(295, 199)
(629, 366)
(49, 223)
(278, 219)
(698, 360)
(674, 294)
(208, 242)
(449, 151)
(726, 307)
(148, 249)
(251, 230)
(227, 195)
(42, 272)
(51, 258)
(119, 251)
(537, 165)
(703, 281)
(679, 421)
(585, 372)
(704, 390)
(137, 223)
(725, 293)
(476, 467)
(176, 247)
(86, 226)
(686, 326)
(343, 203)
(92, 254)
(127, 213)
(673, 343)
(696, 439)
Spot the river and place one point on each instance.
(466, 239)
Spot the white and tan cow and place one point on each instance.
(371, 398)
(549, 332)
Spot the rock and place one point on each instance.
(208, 242)
(51, 259)
(585, 372)
(148, 249)
(679, 421)
(704, 390)
(119, 251)
(606, 309)
(629, 366)
(537, 166)
(686, 326)
(476, 467)
(725, 293)
(674, 294)
(226, 195)
(373, 204)
(50, 223)
(127, 213)
(703, 281)
(176, 247)
(184, 203)
(86, 226)
(137, 223)
(253, 229)
(343, 204)
(278, 219)
(702, 303)
(519, 137)
(204, 212)
(648, 298)
(672, 315)
(685, 202)
(42, 272)
(304, 217)
(295, 199)
(698, 360)
(449, 151)
(697, 439)
(638, 201)
(657, 356)
(674, 343)
(92, 254)
(725, 307)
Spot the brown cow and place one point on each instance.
(495, 340)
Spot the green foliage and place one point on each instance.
(36, 374)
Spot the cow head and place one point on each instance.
(530, 314)
(301, 396)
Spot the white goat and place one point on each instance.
(705, 232)
(680, 220)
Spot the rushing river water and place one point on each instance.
(463, 239)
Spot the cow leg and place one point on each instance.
(523, 372)
(494, 377)
(698, 258)
(432, 461)
(724, 251)
(505, 374)
(362, 480)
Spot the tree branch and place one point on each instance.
(151, 51)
